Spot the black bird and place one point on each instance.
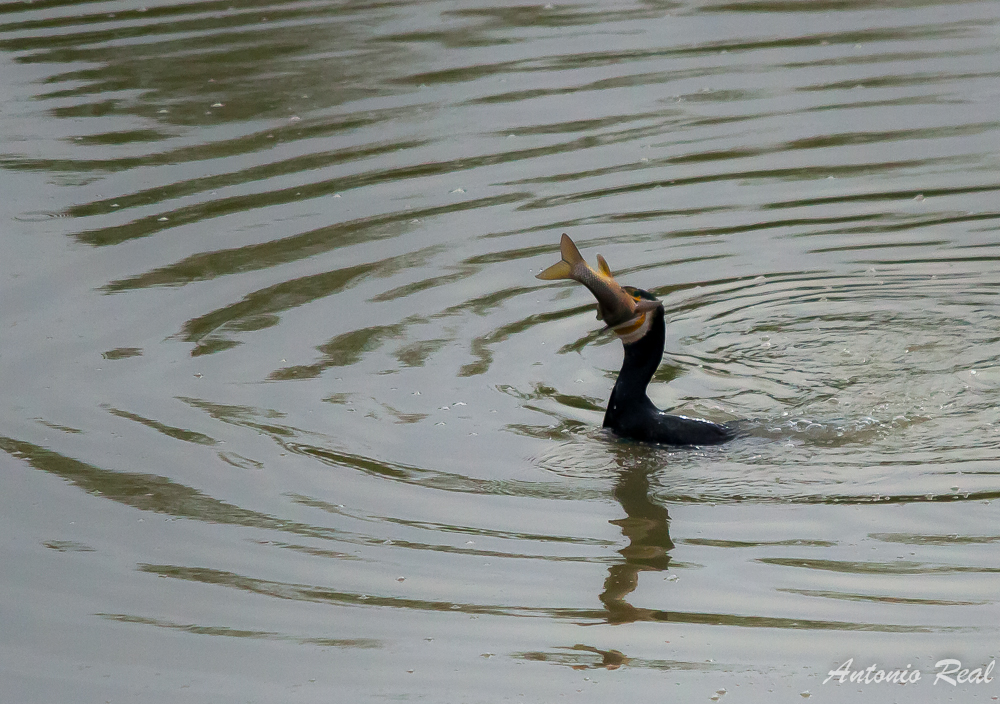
(636, 316)
(630, 412)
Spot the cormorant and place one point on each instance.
(636, 316)
(630, 412)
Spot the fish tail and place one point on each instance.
(570, 258)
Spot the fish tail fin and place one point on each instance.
(570, 257)
(567, 248)
(559, 270)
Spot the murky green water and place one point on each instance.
(286, 416)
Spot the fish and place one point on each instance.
(616, 306)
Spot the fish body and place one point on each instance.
(615, 305)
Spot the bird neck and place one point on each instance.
(642, 358)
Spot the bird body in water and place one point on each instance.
(637, 317)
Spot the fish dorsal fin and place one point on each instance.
(602, 266)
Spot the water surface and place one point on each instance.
(287, 416)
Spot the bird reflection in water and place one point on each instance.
(646, 527)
